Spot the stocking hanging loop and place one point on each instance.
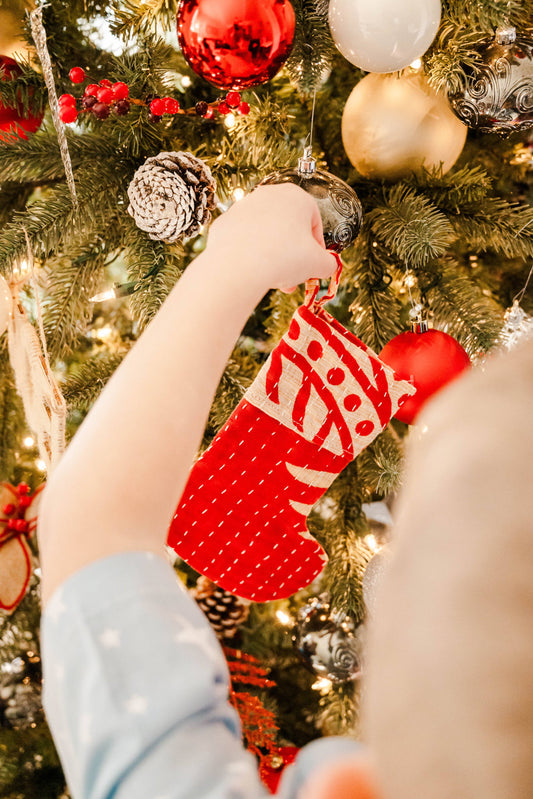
(312, 287)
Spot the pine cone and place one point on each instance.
(171, 195)
(225, 611)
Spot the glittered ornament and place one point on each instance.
(14, 121)
(328, 642)
(383, 35)
(339, 205)
(395, 125)
(171, 195)
(373, 577)
(5, 304)
(518, 326)
(20, 692)
(429, 359)
(497, 96)
(236, 44)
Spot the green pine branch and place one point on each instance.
(313, 49)
(12, 419)
(84, 385)
(410, 226)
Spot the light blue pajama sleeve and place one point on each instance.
(136, 691)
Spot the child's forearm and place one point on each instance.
(124, 472)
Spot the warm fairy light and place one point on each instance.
(41, 465)
(283, 617)
(110, 294)
(103, 332)
(372, 543)
(323, 685)
(20, 270)
(410, 281)
(417, 63)
(28, 442)
(186, 81)
(238, 194)
(229, 121)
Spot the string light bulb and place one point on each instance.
(28, 442)
(238, 194)
(283, 617)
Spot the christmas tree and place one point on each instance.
(433, 141)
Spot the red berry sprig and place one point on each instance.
(100, 99)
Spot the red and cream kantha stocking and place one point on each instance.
(318, 401)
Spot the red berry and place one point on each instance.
(105, 82)
(105, 95)
(201, 108)
(209, 114)
(21, 525)
(100, 110)
(77, 75)
(67, 99)
(120, 91)
(88, 102)
(22, 489)
(91, 89)
(171, 105)
(68, 113)
(8, 509)
(12, 524)
(223, 108)
(122, 107)
(157, 107)
(244, 108)
(25, 502)
(233, 99)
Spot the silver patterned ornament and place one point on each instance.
(329, 643)
(339, 206)
(498, 94)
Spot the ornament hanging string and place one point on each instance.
(520, 296)
(39, 37)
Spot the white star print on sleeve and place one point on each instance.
(135, 689)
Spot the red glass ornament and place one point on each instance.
(429, 360)
(236, 44)
(12, 121)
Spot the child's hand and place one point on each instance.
(274, 237)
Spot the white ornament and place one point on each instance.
(383, 35)
(518, 326)
(5, 304)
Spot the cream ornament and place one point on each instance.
(383, 35)
(393, 126)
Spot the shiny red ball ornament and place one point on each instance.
(236, 44)
(13, 122)
(429, 360)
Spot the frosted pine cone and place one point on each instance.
(224, 610)
(171, 195)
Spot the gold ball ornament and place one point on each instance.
(394, 125)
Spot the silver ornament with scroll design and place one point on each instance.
(339, 205)
(330, 643)
(498, 94)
